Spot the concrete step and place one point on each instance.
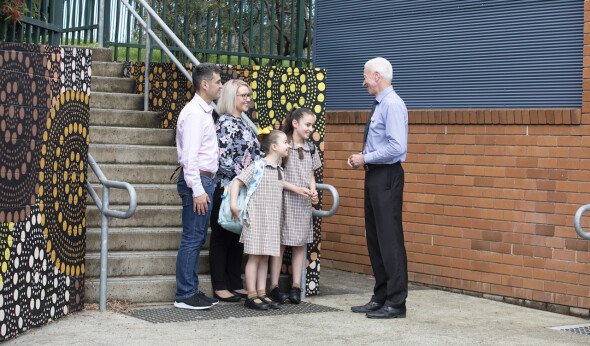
(124, 118)
(136, 263)
(107, 69)
(149, 289)
(120, 100)
(138, 239)
(98, 54)
(147, 194)
(135, 174)
(140, 289)
(136, 154)
(131, 135)
(145, 216)
(113, 84)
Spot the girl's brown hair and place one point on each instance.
(294, 114)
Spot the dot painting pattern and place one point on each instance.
(44, 110)
(276, 90)
(63, 181)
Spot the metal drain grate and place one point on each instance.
(221, 311)
(583, 329)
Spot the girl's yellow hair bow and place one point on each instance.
(264, 131)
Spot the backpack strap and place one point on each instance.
(311, 147)
(256, 178)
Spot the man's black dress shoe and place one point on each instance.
(295, 295)
(388, 312)
(232, 299)
(278, 296)
(250, 303)
(369, 307)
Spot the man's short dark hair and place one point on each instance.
(204, 71)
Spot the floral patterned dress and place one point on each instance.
(238, 147)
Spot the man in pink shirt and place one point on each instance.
(198, 155)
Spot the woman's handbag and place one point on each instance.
(244, 195)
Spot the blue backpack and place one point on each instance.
(224, 218)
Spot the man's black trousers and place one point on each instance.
(384, 186)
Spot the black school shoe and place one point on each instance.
(251, 304)
(270, 303)
(295, 295)
(278, 296)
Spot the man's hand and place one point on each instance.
(356, 160)
(200, 204)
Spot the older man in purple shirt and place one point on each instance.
(198, 155)
(384, 149)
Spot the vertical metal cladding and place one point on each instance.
(454, 54)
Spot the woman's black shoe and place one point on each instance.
(251, 304)
(278, 296)
(241, 295)
(270, 303)
(295, 295)
(232, 299)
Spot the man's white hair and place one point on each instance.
(381, 65)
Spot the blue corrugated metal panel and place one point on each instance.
(452, 53)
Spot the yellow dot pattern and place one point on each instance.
(63, 184)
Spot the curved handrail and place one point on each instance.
(335, 204)
(104, 208)
(578, 221)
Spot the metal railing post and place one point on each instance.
(56, 18)
(300, 27)
(104, 23)
(104, 241)
(319, 213)
(148, 49)
(103, 207)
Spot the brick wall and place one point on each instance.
(489, 200)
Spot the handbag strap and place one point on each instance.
(250, 123)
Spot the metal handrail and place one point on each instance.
(103, 206)
(578, 221)
(335, 203)
(147, 27)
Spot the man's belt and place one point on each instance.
(371, 167)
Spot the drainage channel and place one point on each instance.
(578, 329)
(221, 311)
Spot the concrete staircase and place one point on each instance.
(129, 146)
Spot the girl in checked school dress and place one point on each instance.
(262, 227)
(300, 192)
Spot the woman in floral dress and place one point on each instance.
(238, 148)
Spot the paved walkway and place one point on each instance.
(434, 317)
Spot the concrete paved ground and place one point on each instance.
(434, 317)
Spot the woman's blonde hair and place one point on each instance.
(227, 100)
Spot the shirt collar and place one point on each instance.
(384, 93)
(207, 108)
(268, 163)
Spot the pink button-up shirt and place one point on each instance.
(196, 143)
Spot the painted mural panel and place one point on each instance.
(276, 90)
(44, 110)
